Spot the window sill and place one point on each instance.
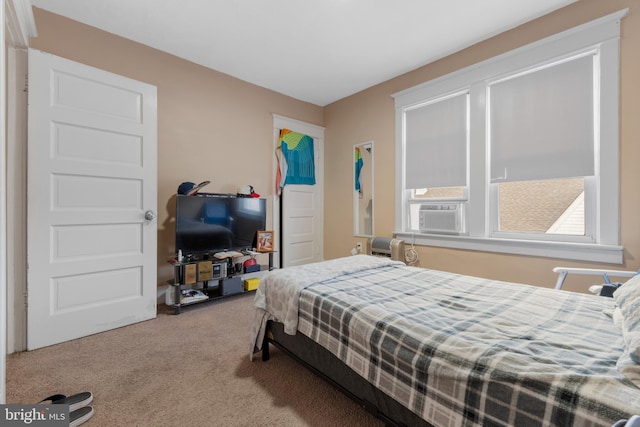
(573, 251)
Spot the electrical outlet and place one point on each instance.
(359, 246)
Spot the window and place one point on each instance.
(542, 147)
(519, 153)
(552, 206)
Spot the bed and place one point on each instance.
(417, 346)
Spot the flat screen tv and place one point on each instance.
(214, 223)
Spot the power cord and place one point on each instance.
(411, 255)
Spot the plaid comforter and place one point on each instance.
(462, 351)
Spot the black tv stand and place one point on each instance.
(229, 284)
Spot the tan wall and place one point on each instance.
(214, 127)
(210, 126)
(370, 115)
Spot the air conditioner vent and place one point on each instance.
(441, 218)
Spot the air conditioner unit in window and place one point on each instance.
(441, 218)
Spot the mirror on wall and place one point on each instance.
(363, 189)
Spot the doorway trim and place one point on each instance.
(18, 25)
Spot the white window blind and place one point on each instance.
(436, 143)
(542, 122)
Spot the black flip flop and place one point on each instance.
(75, 401)
(79, 416)
(52, 399)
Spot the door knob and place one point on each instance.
(149, 215)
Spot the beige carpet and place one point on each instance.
(187, 370)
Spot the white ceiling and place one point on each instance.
(317, 51)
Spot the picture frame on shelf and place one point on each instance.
(264, 241)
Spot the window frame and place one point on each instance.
(602, 221)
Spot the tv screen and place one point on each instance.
(210, 223)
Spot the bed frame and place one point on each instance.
(324, 364)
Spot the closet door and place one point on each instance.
(298, 213)
(301, 225)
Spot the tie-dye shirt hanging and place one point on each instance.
(295, 159)
(358, 167)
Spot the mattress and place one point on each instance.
(461, 350)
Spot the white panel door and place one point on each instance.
(300, 225)
(92, 200)
(298, 214)
(302, 219)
